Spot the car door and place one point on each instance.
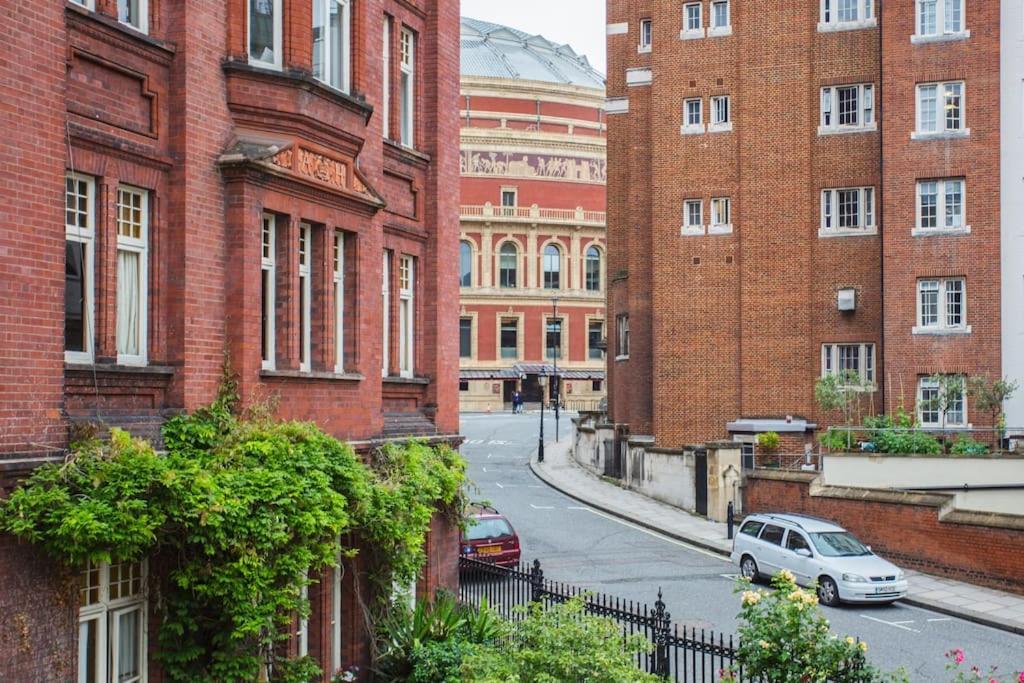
(769, 548)
(803, 568)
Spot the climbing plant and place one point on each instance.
(240, 512)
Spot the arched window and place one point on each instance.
(593, 270)
(465, 264)
(508, 266)
(552, 267)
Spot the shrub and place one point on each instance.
(967, 446)
(838, 440)
(899, 436)
(768, 441)
(956, 661)
(561, 643)
(439, 662)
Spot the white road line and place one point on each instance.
(891, 623)
(573, 507)
(896, 623)
(542, 507)
(942, 619)
(499, 485)
(658, 536)
(485, 469)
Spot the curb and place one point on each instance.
(973, 617)
(703, 545)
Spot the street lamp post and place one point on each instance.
(540, 445)
(558, 351)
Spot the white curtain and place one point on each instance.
(128, 303)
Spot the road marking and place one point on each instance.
(731, 577)
(658, 536)
(485, 469)
(941, 619)
(542, 507)
(573, 507)
(894, 624)
(499, 485)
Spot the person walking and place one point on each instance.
(517, 402)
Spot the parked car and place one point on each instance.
(489, 536)
(815, 550)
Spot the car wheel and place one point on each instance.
(828, 592)
(748, 568)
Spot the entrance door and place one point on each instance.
(507, 388)
(531, 389)
(700, 477)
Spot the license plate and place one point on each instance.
(883, 589)
(489, 549)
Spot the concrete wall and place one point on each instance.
(1012, 201)
(662, 474)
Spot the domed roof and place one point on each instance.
(497, 51)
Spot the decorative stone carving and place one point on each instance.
(283, 158)
(534, 166)
(323, 168)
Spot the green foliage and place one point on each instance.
(411, 642)
(559, 644)
(838, 440)
(899, 436)
(786, 639)
(841, 393)
(768, 441)
(240, 511)
(966, 446)
(991, 396)
(439, 662)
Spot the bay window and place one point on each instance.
(132, 274)
(112, 623)
(331, 43)
(79, 267)
(406, 315)
(265, 43)
(268, 290)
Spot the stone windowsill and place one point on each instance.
(317, 374)
(940, 38)
(123, 369)
(621, 358)
(692, 231)
(643, 49)
(941, 331)
(720, 127)
(393, 379)
(845, 130)
(692, 130)
(838, 26)
(719, 31)
(857, 232)
(940, 232)
(695, 34)
(720, 229)
(942, 135)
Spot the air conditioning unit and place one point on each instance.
(847, 299)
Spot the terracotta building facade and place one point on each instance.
(259, 180)
(532, 254)
(805, 188)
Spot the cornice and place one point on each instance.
(117, 146)
(266, 174)
(481, 86)
(487, 140)
(108, 30)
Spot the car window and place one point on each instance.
(751, 528)
(772, 534)
(796, 540)
(839, 544)
(490, 527)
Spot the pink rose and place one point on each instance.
(958, 655)
(1021, 677)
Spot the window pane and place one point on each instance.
(953, 101)
(595, 334)
(953, 19)
(692, 17)
(926, 24)
(954, 204)
(721, 18)
(129, 12)
(929, 303)
(509, 339)
(554, 339)
(848, 10)
(593, 274)
(929, 205)
(508, 265)
(465, 264)
(929, 403)
(320, 51)
(849, 208)
(129, 303)
(338, 28)
(927, 96)
(552, 267)
(128, 651)
(849, 114)
(466, 338)
(954, 302)
(261, 31)
(75, 314)
(88, 651)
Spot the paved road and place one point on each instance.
(600, 552)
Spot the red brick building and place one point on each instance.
(261, 179)
(798, 189)
(533, 200)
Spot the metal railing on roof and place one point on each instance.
(577, 216)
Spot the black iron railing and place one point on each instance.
(678, 653)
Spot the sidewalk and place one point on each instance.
(985, 606)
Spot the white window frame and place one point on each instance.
(689, 227)
(941, 190)
(720, 104)
(408, 94)
(828, 123)
(714, 28)
(268, 270)
(106, 613)
(622, 336)
(343, 81)
(278, 60)
(867, 362)
(942, 32)
(943, 422)
(386, 97)
(721, 207)
(688, 32)
(305, 289)
(86, 236)
(338, 277)
(829, 18)
(407, 315)
(942, 325)
(688, 127)
(337, 575)
(143, 25)
(386, 331)
(941, 98)
(138, 246)
(302, 633)
(867, 209)
(646, 35)
(87, 4)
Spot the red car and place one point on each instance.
(489, 536)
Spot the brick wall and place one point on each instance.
(903, 527)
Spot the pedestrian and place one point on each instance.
(517, 402)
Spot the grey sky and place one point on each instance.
(580, 23)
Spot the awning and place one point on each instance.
(520, 369)
(505, 373)
(780, 425)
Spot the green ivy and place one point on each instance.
(239, 511)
